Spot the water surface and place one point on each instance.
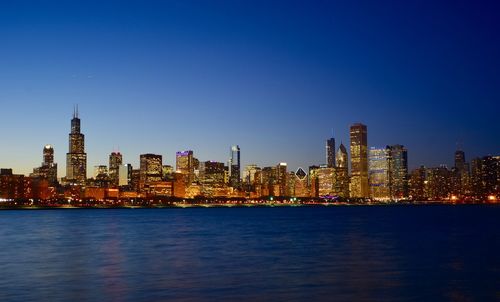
(345, 253)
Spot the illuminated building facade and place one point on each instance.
(378, 172)
(325, 178)
(330, 152)
(341, 183)
(398, 172)
(76, 158)
(184, 163)
(150, 169)
(359, 161)
(281, 178)
(124, 175)
(115, 161)
(235, 167)
(48, 169)
(417, 184)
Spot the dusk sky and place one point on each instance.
(274, 77)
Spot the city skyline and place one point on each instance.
(62, 171)
(267, 76)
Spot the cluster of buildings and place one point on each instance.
(379, 174)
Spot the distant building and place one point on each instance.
(150, 169)
(281, 178)
(76, 158)
(115, 161)
(342, 172)
(48, 169)
(330, 152)
(235, 167)
(378, 172)
(417, 184)
(184, 163)
(326, 177)
(100, 170)
(359, 161)
(398, 171)
(124, 175)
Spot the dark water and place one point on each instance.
(376, 253)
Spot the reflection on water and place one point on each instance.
(389, 253)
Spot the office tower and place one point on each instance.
(249, 174)
(398, 171)
(359, 161)
(269, 181)
(330, 152)
(100, 171)
(461, 174)
(460, 160)
(150, 169)
(235, 167)
(378, 173)
(341, 181)
(313, 180)
(76, 158)
(417, 184)
(437, 183)
(341, 158)
(300, 188)
(115, 161)
(325, 177)
(485, 177)
(212, 173)
(184, 164)
(124, 175)
(48, 169)
(281, 174)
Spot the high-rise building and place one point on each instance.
(184, 164)
(398, 171)
(330, 152)
(100, 170)
(235, 167)
(124, 175)
(48, 169)
(359, 161)
(150, 169)
(417, 184)
(115, 161)
(378, 172)
(281, 170)
(325, 177)
(76, 158)
(341, 158)
(341, 182)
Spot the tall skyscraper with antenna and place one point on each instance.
(76, 158)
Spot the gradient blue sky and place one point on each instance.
(272, 76)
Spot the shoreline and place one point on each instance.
(261, 205)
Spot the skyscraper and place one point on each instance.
(150, 169)
(48, 169)
(234, 167)
(184, 164)
(378, 172)
(115, 161)
(359, 161)
(76, 158)
(341, 158)
(398, 171)
(330, 152)
(342, 172)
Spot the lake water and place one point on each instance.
(339, 253)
